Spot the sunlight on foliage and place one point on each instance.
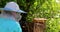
(53, 25)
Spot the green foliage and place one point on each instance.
(34, 10)
(22, 4)
(53, 25)
(42, 9)
(48, 9)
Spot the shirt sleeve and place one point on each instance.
(17, 27)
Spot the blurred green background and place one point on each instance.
(49, 9)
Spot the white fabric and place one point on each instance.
(7, 16)
(12, 6)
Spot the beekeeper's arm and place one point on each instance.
(17, 28)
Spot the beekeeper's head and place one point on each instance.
(13, 9)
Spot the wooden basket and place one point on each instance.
(39, 24)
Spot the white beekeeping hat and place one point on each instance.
(12, 6)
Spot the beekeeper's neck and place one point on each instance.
(7, 15)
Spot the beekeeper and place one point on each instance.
(9, 17)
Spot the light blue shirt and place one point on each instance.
(9, 25)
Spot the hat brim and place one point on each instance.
(19, 11)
